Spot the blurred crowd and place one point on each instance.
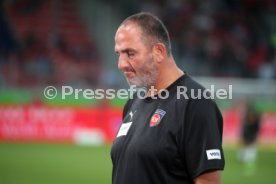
(44, 42)
(220, 38)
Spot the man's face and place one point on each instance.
(135, 56)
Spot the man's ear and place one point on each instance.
(160, 52)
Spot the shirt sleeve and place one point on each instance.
(200, 137)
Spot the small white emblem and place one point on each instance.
(213, 154)
(131, 114)
(124, 129)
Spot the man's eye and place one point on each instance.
(130, 54)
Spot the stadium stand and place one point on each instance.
(49, 44)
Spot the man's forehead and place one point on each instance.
(128, 28)
(128, 36)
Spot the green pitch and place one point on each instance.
(71, 164)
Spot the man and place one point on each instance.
(162, 141)
(250, 129)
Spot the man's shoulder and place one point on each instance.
(191, 83)
(187, 86)
(191, 91)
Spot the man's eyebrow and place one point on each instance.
(129, 50)
(125, 50)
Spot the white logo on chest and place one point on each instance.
(131, 114)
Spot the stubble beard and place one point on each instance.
(146, 78)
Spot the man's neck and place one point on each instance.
(168, 74)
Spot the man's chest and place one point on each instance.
(149, 131)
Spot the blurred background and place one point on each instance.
(69, 42)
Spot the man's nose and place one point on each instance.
(122, 63)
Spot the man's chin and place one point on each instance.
(136, 83)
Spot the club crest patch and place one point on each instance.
(157, 117)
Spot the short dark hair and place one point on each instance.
(151, 26)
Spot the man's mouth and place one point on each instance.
(129, 74)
